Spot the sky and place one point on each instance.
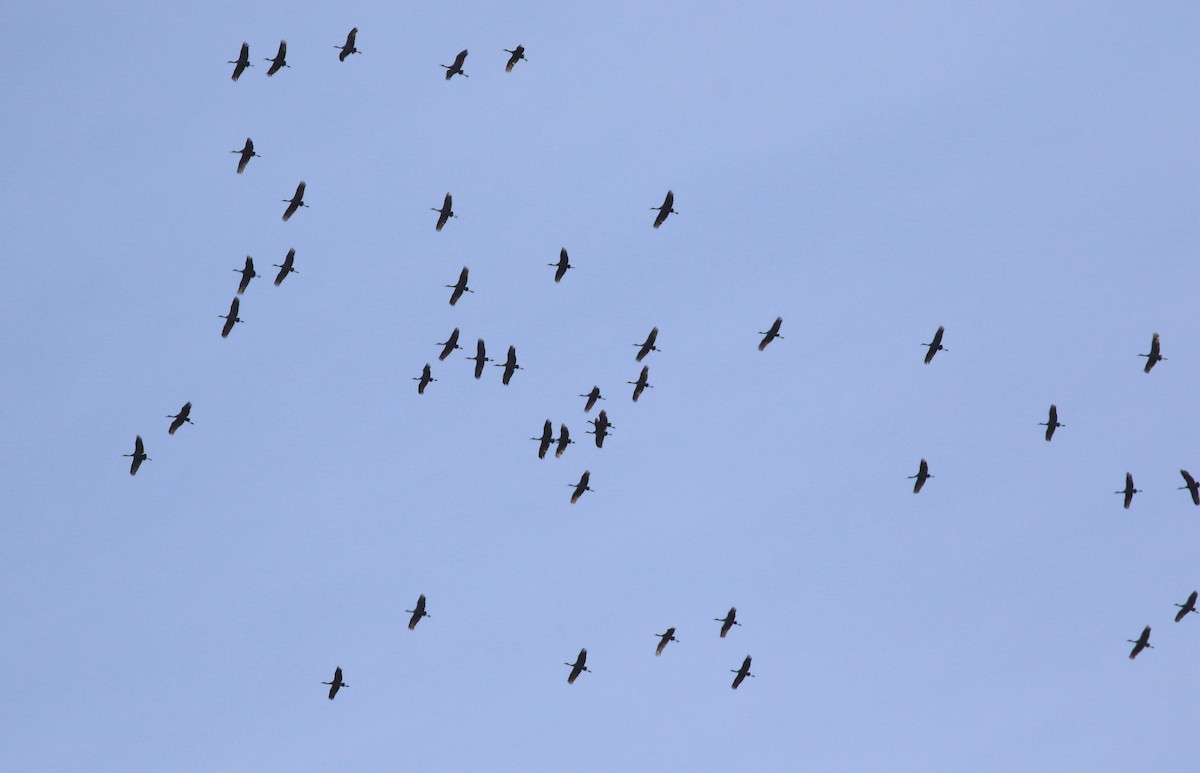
(1024, 174)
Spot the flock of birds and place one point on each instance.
(601, 424)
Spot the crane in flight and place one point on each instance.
(449, 345)
(742, 672)
(242, 62)
(771, 334)
(139, 455)
(564, 440)
(545, 440)
(1051, 423)
(295, 202)
(423, 379)
(510, 365)
(1191, 485)
(648, 345)
(592, 397)
(935, 345)
(460, 286)
(601, 428)
(667, 208)
(337, 682)
(1154, 356)
(640, 385)
(456, 68)
(285, 267)
(663, 639)
(562, 265)
(280, 59)
(348, 48)
(518, 54)
(480, 357)
(417, 613)
(231, 318)
(180, 418)
(247, 273)
(921, 476)
(727, 622)
(1186, 607)
(581, 486)
(247, 153)
(1142, 643)
(579, 666)
(445, 212)
(1129, 490)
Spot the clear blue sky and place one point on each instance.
(1023, 173)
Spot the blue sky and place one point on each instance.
(1022, 173)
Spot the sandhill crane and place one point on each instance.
(581, 486)
(242, 62)
(280, 59)
(727, 622)
(564, 440)
(770, 335)
(1153, 357)
(456, 68)
(247, 273)
(510, 365)
(592, 397)
(648, 346)
(1192, 487)
(231, 318)
(423, 379)
(545, 440)
(445, 212)
(742, 672)
(1129, 490)
(601, 428)
(139, 455)
(348, 47)
(665, 209)
(417, 613)
(285, 267)
(480, 357)
(460, 286)
(295, 202)
(180, 418)
(1186, 607)
(935, 345)
(247, 153)
(1142, 643)
(337, 682)
(921, 476)
(562, 265)
(518, 54)
(1051, 423)
(640, 385)
(449, 345)
(663, 638)
(578, 666)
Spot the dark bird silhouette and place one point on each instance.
(545, 440)
(449, 345)
(935, 345)
(247, 273)
(663, 638)
(445, 213)
(460, 287)
(1142, 643)
(564, 440)
(1051, 423)
(518, 54)
(579, 666)
(480, 357)
(139, 455)
(180, 418)
(348, 47)
(423, 379)
(581, 486)
(417, 613)
(456, 68)
(285, 267)
(295, 202)
(648, 346)
(242, 62)
(771, 334)
(742, 672)
(640, 385)
(337, 682)
(1186, 607)
(1153, 357)
(1129, 490)
(921, 476)
(729, 621)
(280, 59)
(1191, 486)
(601, 428)
(562, 265)
(231, 318)
(665, 209)
(592, 397)
(247, 153)
(510, 365)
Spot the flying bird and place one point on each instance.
(424, 379)
(295, 202)
(1191, 486)
(247, 273)
(1142, 643)
(1051, 423)
(417, 613)
(601, 428)
(729, 621)
(564, 440)
(480, 357)
(921, 476)
(337, 682)
(247, 153)
(545, 440)
(242, 62)
(139, 455)
(663, 638)
(592, 397)
(1186, 607)
(449, 345)
(742, 672)
(935, 345)
(348, 47)
(665, 209)
(771, 334)
(285, 267)
(231, 318)
(460, 287)
(648, 346)
(640, 385)
(581, 486)
(1153, 357)
(1129, 490)
(280, 59)
(180, 418)
(445, 213)
(510, 365)
(456, 68)
(518, 54)
(578, 666)
(562, 265)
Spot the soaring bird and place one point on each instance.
(562, 265)
(1129, 490)
(727, 622)
(445, 213)
(417, 613)
(460, 287)
(423, 379)
(581, 486)
(247, 153)
(601, 428)
(139, 455)
(456, 68)
(1051, 423)
(1142, 643)
(592, 397)
(564, 440)
(285, 267)
(510, 365)
(648, 346)
(247, 273)
(1153, 356)
(935, 345)
(578, 666)
(231, 318)
(449, 345)
(1191, 486)
(663, 638)
(180, 418)
(295, 202)
(280, 59)
(518, 54)
(480, 357)
(921, 476)
(337, 682)
(742, 672)
(242, 62)
(771, 334)
(640, 385)
(545, 440)
(348, 47)
(665, 209)
(1184, 608)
